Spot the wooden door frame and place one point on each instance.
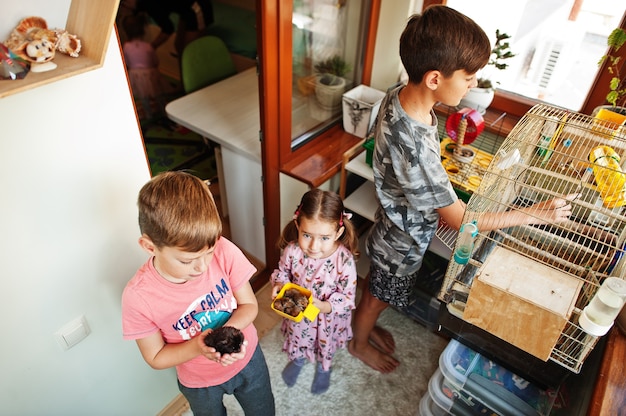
(275, 79)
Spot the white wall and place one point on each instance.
(71, 164)
(392, 20)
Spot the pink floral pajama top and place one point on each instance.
(331, 279)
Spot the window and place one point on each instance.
(557, 43)
(324, 31)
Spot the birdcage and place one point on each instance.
(528, 284)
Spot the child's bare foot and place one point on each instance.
(383, 340)
(374, 358)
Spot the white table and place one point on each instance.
(228, 114)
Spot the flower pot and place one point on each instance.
(329, 91)
(478, 99)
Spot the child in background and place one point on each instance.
(318, 253)
(441, 50)
(192, 17)
(142, 65)
(194, 276)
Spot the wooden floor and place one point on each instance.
(266, 318)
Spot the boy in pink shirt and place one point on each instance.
(195, 281)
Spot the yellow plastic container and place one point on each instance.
(612, 116)
(616, 123)
(310, 312)
(610, 179)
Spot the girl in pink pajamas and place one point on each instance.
(319, 248)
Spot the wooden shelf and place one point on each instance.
(363, 201)
(319, 160)
(92, 22)
(360, 167)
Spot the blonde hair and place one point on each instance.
(176, 209)
(326, 206)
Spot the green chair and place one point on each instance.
(205, 61)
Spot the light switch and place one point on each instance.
(72, 333)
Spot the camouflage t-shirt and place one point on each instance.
(410, 184)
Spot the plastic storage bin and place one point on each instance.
(480, 382)
(440, 401)
(429, 408)
(423, 308)
(423, 304)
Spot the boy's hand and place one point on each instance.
(228, 359)
(552, 211)
(211, 354)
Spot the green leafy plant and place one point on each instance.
(335, 65)
(617, 90)
(500, 52)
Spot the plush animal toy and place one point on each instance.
(32, 41)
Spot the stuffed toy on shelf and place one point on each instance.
(32, 41)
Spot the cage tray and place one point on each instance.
(466, 176)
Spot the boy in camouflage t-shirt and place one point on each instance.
(441, 51)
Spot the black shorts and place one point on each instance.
(391, 289)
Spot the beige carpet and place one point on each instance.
(355, 388)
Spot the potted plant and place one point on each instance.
(480, 97)
(616, 96)
(330, 83)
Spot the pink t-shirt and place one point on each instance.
(150, 304)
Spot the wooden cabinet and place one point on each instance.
(92, 21)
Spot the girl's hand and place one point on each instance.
(275, 290)
(323, 306)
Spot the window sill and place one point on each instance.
(320, 159)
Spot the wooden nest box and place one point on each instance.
(522, 301)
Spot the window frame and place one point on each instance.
(288, 152)
(274, 40)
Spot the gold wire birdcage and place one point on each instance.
(528, 284)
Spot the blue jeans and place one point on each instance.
(251, 387)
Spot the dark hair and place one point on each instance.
(176, 209)
(326, 206)
(134, 25)
(445, 40)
